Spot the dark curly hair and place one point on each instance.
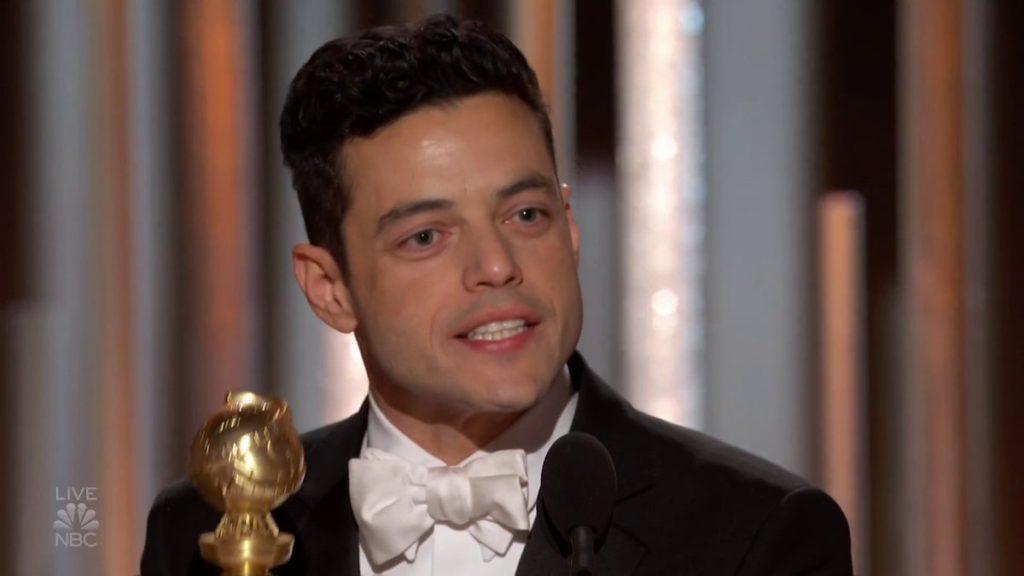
(352, 87)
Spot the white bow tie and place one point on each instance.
(395, 502)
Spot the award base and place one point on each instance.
(246, 556)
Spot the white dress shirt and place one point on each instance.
(447, 550)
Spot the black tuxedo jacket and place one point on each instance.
(686, 505)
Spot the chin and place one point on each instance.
(515, 399)
(515, 407)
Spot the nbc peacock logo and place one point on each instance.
(76, 524)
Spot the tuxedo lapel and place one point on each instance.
(541, 555)
(617, 552)
(327, 538)
(602, 414)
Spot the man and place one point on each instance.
(439, 236)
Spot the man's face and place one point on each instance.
(463, 258)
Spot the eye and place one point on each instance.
(421, 239)
(528, 214)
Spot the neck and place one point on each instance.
(448, 433)
(450, 436)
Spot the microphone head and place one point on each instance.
(578, 484)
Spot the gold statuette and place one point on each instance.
(245, 461)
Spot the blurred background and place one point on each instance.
(801, 232)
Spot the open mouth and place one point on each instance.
(498, 330)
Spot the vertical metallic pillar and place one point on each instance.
(57, 399)
(662, 199)
(842, 398)
(218, 209)
(982, 539)
(149, 115)
(543, 30)
(116, 382)
(759, 78)
(933, 261)
(80, 380)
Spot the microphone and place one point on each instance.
(578, 490)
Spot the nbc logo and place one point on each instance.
(75, 526)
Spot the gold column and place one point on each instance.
(933, 264)
(533, 28)
(114, 314)
(218, 332)
(543, 30)
(841, 370)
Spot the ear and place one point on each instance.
(324, 286)
(574, 231)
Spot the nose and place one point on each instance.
(491, 262)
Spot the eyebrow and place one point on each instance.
(530, 182)
(402, 211)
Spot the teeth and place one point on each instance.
(497, 330)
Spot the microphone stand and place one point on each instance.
(582, 539)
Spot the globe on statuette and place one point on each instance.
(245, 461)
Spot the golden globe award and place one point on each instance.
(245, 461)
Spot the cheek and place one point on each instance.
(560, 273)
(556, 258)
(408, 305)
